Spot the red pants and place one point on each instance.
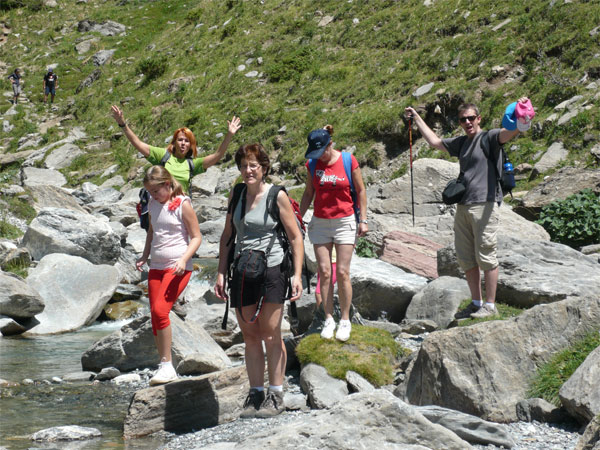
(163, 289)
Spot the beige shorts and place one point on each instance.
(338, 231)
(475, 235)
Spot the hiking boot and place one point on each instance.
(485, 311)
(272, 405)
(466, 312)
(252, 403)
(165, 374)
(343, 331)
(179, 309)
(328, 328)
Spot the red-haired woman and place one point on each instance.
(182, 147)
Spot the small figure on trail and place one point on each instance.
(50, 85)
(260, 274)
(476, 219)
(335, 182)
(16, 80)
(172, 239)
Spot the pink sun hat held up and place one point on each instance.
(524, 112)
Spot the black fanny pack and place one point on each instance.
(249, 271)
(454, 191)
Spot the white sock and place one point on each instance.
(276, 388)
(344, 321)
(477, 303)
(490, 305)
(258, 388)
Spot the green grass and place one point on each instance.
(370, 352)
(504, 312)
(18, 267)
(356, 76)
(551, 376)
(8, 231)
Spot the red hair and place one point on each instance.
(188, 133)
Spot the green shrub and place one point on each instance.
(292, 64)
(153, 67)
(370, 352)
(574, 221)
(366, 249)
(551, 376)
(9, 231)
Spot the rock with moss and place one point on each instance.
(581, 392)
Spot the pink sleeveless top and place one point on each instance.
(170, 239)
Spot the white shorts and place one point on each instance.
(338, 231)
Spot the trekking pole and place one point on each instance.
(412, 189)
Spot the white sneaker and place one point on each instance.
(328, 328)
(343, 331)
(165, 374)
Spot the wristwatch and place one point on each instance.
(363, 221)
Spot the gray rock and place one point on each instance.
(66, 433)
(78, 377)
(533, 272)
(211, 235)
(379, 286)
(356, 383)
(591, 436)
(18, 300)
(89, 80)
(580, 394)
(484, 369)
(53, 196)
(126, 267)
(470, 428)
(566, 118)
(32, 176)
(209, 208)
(62, 156)
(540, 410)
(128, 378)
(132, 347)
(9, 158)
(136, 237)
(10, 327)
(187, 404)
(58, 230)
(74, 291)
(438, 301)
(423, 90)
(102, 57)
(364, 421)
(322, 389)
(551, 158)
(108, 28)
(85, 46)
(108, 373)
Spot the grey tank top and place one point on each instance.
(257, 231)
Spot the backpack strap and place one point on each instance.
(312, 166)
(347, 160)
(190, 161)
(191, 166)
(165, 158)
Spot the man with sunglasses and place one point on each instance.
(476, 219)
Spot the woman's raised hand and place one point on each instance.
(117, 114)
(234, 125)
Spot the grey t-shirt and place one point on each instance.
(479, 173)
(257, 231)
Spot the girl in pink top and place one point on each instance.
(171, 241)
(333, 223)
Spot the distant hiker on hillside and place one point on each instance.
(335, 182)
(476, 219)
(259, 281)
(16, 80)
(182, 147)
(50, 85)
(173, 238)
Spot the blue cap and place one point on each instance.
(509, 121)
(318, 140)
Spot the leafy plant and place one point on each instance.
(551, 376)
(574, 221)
(153, 67)
(366, 249)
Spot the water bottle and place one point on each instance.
(508, 177)
(508, 167)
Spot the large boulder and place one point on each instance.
(74, 291)
(132, 347)
(18, 300)
(322, 389)
(53, 196)
(591, 436)
(187, 404)
(59, 230)
(438, 301)
(580, 394)
(364, 420)
(533, 272)
(485, 369)
(379, 287)
(62, 156)
(32, 176)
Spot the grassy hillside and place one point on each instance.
(357, 72)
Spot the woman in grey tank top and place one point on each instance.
(255, 229)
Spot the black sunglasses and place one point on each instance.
(464, 119)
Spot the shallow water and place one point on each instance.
(25, 409)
